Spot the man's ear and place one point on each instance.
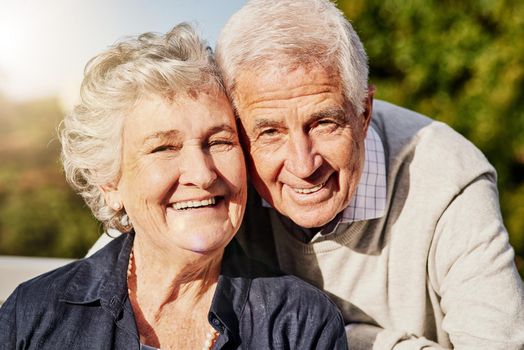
(112, 196)
(368, 108)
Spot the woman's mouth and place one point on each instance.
(192, 204)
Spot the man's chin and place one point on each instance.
(312, 219)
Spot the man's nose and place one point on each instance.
(197, 168)
(302, 159)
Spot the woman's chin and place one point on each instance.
(206, 243)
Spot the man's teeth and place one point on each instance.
(194, 204)
(309, 190)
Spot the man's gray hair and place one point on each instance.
(114, 83)
(290, 34)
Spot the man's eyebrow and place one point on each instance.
(264, 123)
(336, 113)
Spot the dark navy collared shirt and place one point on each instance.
(85, 305)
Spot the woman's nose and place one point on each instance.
(197, 168)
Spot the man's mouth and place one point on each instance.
(308, 190)
(196, 203)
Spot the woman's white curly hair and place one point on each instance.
(114, 81)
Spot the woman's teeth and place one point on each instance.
(194, 204)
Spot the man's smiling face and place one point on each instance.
(305, 145)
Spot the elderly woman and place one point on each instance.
(153, 149)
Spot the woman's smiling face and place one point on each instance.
(183, 177)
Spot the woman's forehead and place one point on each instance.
(156, 116)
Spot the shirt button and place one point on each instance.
(215, 322)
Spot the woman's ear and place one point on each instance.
(112, 196)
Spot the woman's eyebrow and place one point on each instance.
(221, 128)
(163, 136)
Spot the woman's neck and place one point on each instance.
(168, 277)
(173, 289)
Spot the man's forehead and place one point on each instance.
(278, 83)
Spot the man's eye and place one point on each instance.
(268, 133)
(325, 125)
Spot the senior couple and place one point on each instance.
(394, 216)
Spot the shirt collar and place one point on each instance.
(369, 200)
(233, 290)
(103, 277)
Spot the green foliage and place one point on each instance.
(39, 214)
(461, 62)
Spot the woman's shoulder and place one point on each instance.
(48, 284)
(275, 288)
(294, 293)
(285, 307)
(37, 298)
(69, 279)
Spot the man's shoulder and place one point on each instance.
(398, 125)
(427, 145)
(393, 119)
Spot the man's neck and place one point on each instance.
(305, 235)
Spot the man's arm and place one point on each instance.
(365, 337)
(471, 268)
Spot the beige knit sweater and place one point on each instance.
(436, 271)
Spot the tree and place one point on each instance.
(461, 63)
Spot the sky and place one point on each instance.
(45, 44)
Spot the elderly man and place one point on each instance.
(394, 215)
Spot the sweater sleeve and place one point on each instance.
(8, 322)
(471, 267)
(366, 337)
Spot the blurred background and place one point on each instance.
(458, 62)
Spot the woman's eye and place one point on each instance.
(220, 144)
(164, 148)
